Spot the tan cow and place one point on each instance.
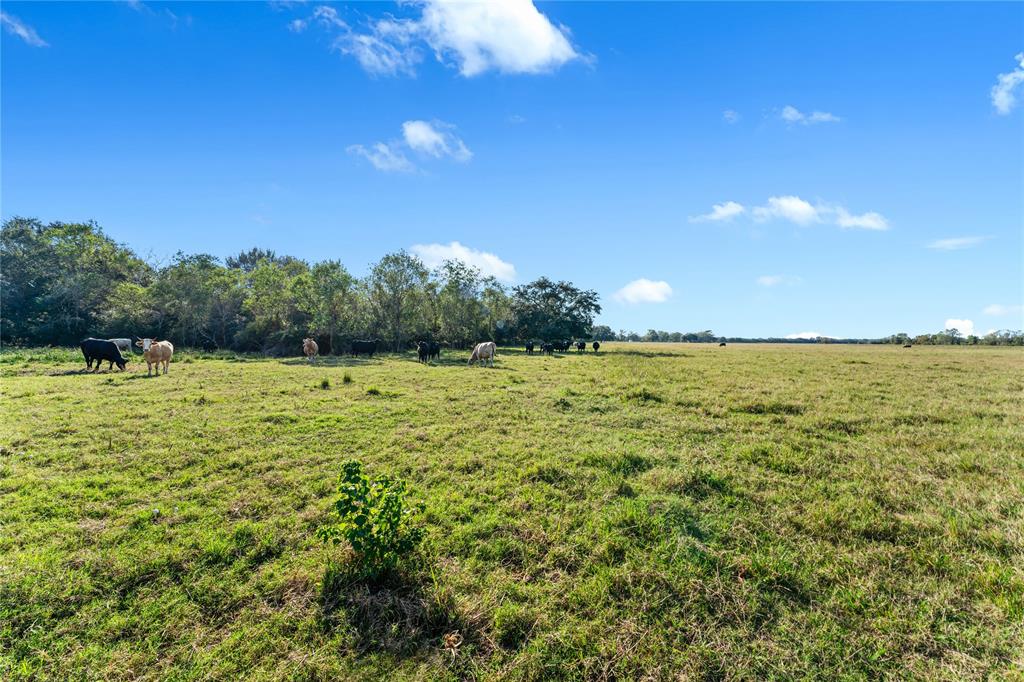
(483, 352)
(156, 352)
(310, 348)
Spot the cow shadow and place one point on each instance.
(402, 613)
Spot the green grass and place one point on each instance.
(652, 512)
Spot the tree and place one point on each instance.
(553, 310)
(459, 308)
(396, 296)
(326, 293)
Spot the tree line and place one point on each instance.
(60, 282)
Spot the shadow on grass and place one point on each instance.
(335, 361)
(401, 613)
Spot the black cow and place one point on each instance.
(596, 345)
(428, 350)
(721, 344)
(101, 350)
(367, 347)
(581, 346)
(529, 347)
(547, 348)
(561, 346)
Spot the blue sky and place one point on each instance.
(755, 169)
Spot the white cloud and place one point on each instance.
(955, 243)
(1002, 95)
(791, 114)
(730, 116)
(775, 280)
(297, 25)
(791, 208)
(965, 327)
(509, 36)
(435, 139)
(999, 309)
(807, 335)
(384, 157)
(643, 291)
(433, 255)
(17, 27)
(866, 221)
(719, 212)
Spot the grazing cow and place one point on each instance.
(123, 345)
(156, 352)
(581, 346)
(368, 347)
(101, 350)
(596, 345)
(483, 352)
(721, 344)
(428, 350)
(547, 348)
(310, 348)
(529, 347)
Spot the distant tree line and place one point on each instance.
(1002, 337)
(60, 282)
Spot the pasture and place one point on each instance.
(652, 512)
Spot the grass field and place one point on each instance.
(652, 512)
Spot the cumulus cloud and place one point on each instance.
(791, 114)
(807, 335)
(791, 208)
(965, 327)
(1003, 97)
(509, 36)
(643, 291)
(955, 243)
(719, 212)
(999, 309)
(435, 139)
(776, 280)
(866, 221)
(17, 27)
(490, 265)
(730, 116)
(383, 157)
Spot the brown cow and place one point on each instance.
(156, 352)
(310, 348)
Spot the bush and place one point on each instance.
(376, 518)
(325, 383)
(346, 378)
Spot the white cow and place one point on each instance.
(483, 352)
(156, 352)
(123, 345)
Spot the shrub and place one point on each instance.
(375, 517)
(346, 378)
(325, 383)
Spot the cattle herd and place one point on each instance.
(157, 353)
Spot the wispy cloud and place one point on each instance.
(720, 212)
(998, 309)
(864, 221)
(730, 116)
(955, 243)
(791, 114)
(1003, 98)
(436, 139)
(490, 265)
(776, 280)
(643, 291)
(789, 207)
(509, 36)
(17, 27)
(384, 157)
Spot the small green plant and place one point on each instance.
(376, 518)
(325, 383)
(346, 378)
(373, 390)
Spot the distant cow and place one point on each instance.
(156, 352)
(906, 345)
(101, 350)
(310, 348)
(367, 347)
(529, 347)
(428, 350)
(561, 346)
(547, 348)
(721, 344)
(484, 352)
(596, 345)
(581, 346)
(123, 345)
